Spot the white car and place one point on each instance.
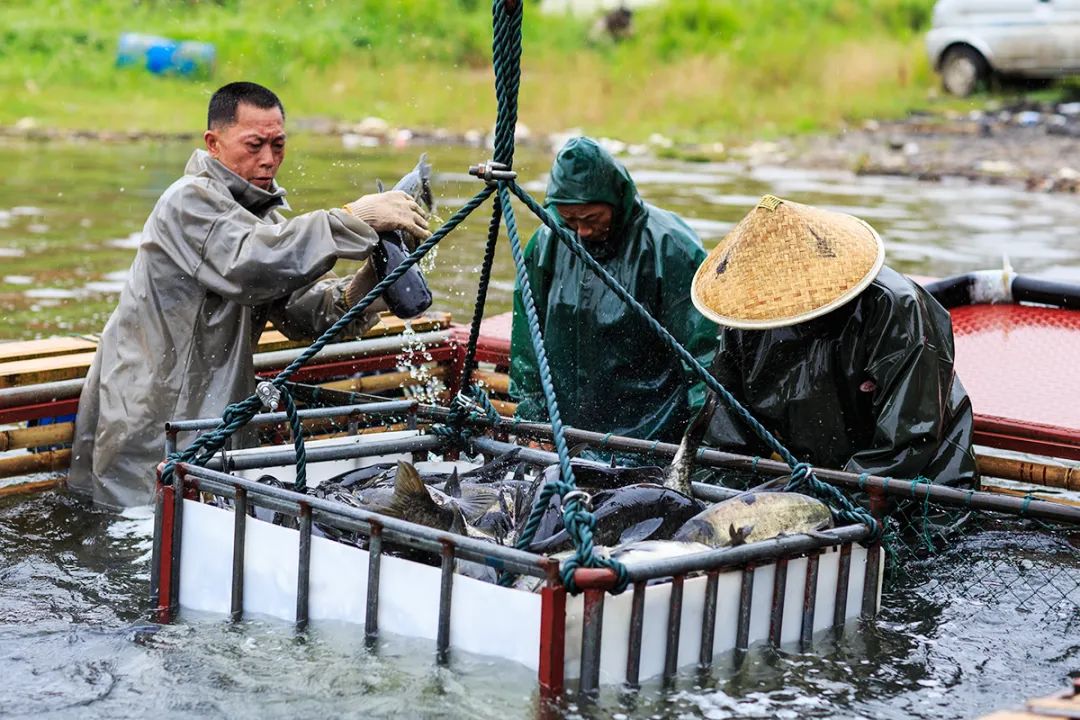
(971, 39)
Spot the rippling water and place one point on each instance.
(952, 641)
(993, 622)
(70, 216)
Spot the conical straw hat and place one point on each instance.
(785, 263)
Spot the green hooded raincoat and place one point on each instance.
(611, 372)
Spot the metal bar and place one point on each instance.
(806, 634)
(552, 641)
(533, 456)
(746, 604)
(870, 581)
(347, 450)
(708, 621)
(674, 627)
(756, 553)
(41, 393)
(390, 407)
(842, 578)
(303, 568)
(446, 594)
(592, 628)
(776, 615)
(239, 536)
(350, 350)
(371, 613)
(967, 499)
(637, 622)
(398, 531)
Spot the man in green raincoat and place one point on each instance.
(611, 373)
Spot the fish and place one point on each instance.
(647, 550)
(755, 516)
(416, 502)
(636, 512)
(410, 295)
(677, 475)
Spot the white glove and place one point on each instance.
(391, 210)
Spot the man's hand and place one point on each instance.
(391, 210)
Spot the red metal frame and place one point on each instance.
(552, 641)
(165, 552)
(37, 411)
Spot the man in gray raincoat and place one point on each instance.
(216, 261)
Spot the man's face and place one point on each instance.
(591, 221)
(252, 147)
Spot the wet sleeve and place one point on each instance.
(311, 310)
(525, 386)
(911, 367)
(253, 261)
(727, 431)
(684, 322)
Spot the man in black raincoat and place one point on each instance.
(847, 362)
(610, 371)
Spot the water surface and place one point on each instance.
(992, 622)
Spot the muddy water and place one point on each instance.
(993, 622)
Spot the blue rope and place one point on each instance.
(579, 523)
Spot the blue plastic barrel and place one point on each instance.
(164, 56)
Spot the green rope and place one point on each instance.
(803, 477)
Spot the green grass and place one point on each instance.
(694, 69)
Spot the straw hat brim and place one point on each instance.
(786, 321)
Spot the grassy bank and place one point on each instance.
(694, 69)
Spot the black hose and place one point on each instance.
(956, 291)
(1046, 292)
(952, 291)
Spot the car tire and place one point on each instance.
(963, 70)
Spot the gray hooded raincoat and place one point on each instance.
(216, 261)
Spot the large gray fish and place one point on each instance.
(637, 512)
(755, 516)
(410, 295)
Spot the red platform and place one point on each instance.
(1019, 364)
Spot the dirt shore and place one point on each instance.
(1036, 145)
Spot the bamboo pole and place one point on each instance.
(1014, 492)
(56, 434)
(30, 487)
(27, 463)
(383, 382)
(1028, 471)
(498, 382)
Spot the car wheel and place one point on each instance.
(963, 70)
